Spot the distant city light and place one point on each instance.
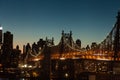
(30, 66)
(66, 75)
(25, 65)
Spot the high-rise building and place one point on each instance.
(14, 57)
(24, 49)
(7, 48)
(8, 40)
(78, 42)
(1, 34)
(0, 39)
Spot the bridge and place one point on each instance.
(69, 61)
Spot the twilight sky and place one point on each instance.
(30, 20)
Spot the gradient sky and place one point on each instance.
(30, 20)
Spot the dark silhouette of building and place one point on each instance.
(78, 42)
(7, 48)
(87, 47)
(8, 40)
(28, 47)
(0, 34)
(41, 43)
(94, 45)
(14, 57)
(0, 40)
(35, 47)
(24, 49)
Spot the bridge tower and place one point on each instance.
(117, 38)
(62, 43)
(66, 39)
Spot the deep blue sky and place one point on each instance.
(30, 20)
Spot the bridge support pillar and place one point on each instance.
(46, 65)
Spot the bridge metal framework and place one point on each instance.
(109, 48)
(68, 58)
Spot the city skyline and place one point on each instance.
(28, 20)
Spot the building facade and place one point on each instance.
(7, 49)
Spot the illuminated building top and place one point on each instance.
(1, 27)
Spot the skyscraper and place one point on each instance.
(7, 48)
(0, 39)
(8, 40)
(0, 34)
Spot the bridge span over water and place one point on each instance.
(69, 60)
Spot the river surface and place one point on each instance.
(19, 79)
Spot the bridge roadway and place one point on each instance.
(78, 55)
(78, 67)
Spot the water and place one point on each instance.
(20, 79)
(4, 79)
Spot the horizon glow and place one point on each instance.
(29, 20)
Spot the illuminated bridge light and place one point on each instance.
(75, 58)
(36, 59)
(62, 58)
